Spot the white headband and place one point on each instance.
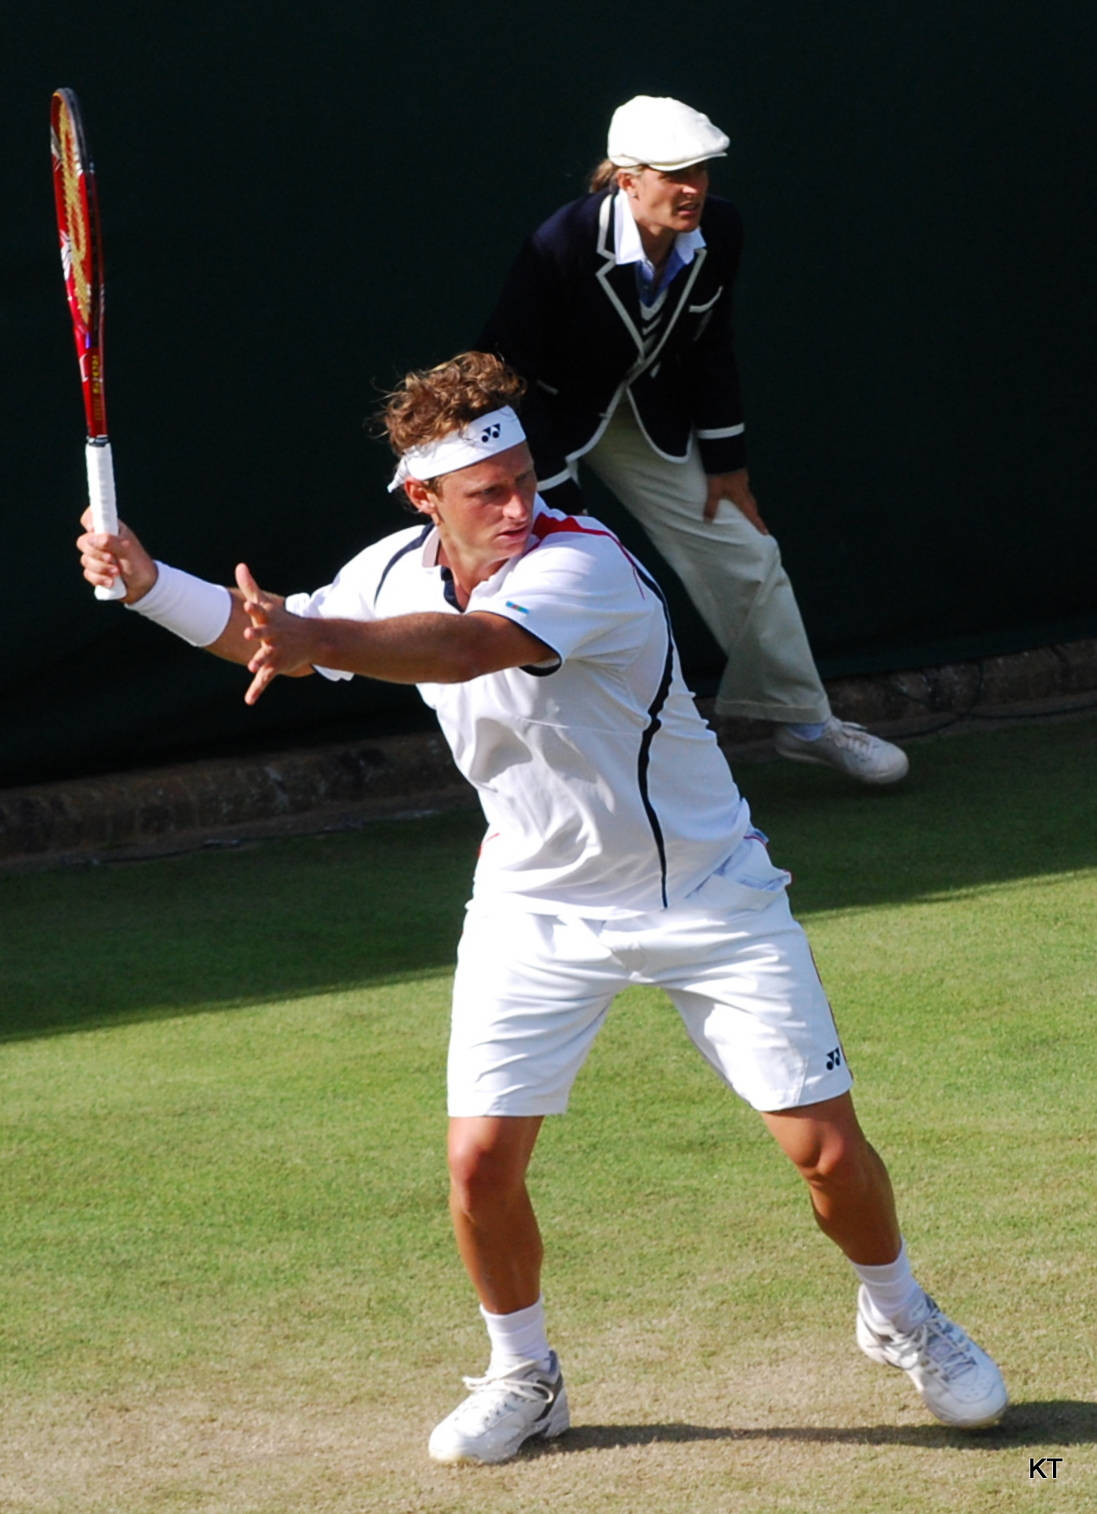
(480, 439)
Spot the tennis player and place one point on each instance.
(618, 850)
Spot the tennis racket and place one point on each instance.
(78, 228)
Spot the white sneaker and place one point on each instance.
(957, 1380)
(849, 748)
(502, 1413)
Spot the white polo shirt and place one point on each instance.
(604, 792)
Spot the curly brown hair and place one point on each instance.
(431, 402)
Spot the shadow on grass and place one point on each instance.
(205, 931)
(279, 919)
(1048, 1426)
(978, 808)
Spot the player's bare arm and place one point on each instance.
(735, 487)
(427, 647)
(106, 557)
(272, 642)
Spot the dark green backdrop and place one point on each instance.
(302, 201)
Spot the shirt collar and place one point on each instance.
(432, 543)
(628, 247)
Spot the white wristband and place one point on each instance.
(194, 609)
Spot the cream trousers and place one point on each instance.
(732, 572)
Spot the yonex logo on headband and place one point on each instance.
(480, 439)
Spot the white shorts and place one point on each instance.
(531, 992)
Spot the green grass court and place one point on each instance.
(229, 1282)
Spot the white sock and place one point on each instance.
(517, 1338)
(892, 1293)
(806, 732)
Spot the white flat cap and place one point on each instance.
(662, 133)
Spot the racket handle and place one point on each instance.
(104, 514)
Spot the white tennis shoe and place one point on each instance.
(502, 1413)
(957, 1380)
(849, 748)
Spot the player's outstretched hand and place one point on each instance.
(106, 557)
(285, 642)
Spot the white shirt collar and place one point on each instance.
(628, 247)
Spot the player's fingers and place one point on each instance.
(258, 685)
(94, 559)
(100, 578)
(245, 582)
(95, 542)
(255, 602)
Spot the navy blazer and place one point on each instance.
(568, 319)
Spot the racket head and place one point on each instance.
(78, 229)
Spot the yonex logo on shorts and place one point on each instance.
(834, 1058)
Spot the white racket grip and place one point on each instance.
(104, 513)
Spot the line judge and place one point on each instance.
(618, 313)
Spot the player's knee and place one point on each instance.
(483, 1172)
(833, 1158)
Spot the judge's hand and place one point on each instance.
(734, 487)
